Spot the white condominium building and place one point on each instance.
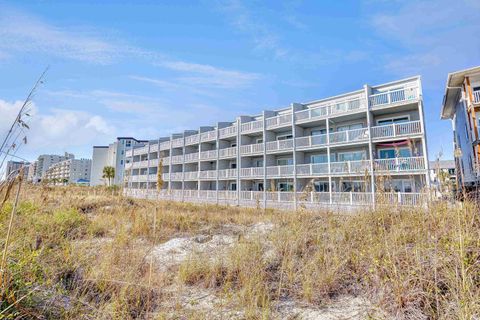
(357, 148)
(461, 104)
(112, 155)
(69, 171)
(41, 165)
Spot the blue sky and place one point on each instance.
(150, 68)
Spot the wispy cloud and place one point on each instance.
(430, 40)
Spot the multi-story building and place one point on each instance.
(15, 166)
(112, 155)
(43, 163)
(70, 171)
(461, 104)
(360, 147)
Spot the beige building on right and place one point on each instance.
(461, 104)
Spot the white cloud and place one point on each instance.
(57, 130)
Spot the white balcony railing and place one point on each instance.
(208, 155)
(227, 152)
(165, 161)
(207, 174)
(228, 131)
(280, 145)
(350, 167)
(208, 136)
(396, 130)
(252, 126)
(349, 136)
(312, 169)
(256, 148)
(394, 96)
(311, 114)
(165, 145)
(278, 121)
(227, 195)
(393, 165)
(191, 157)
(191, 175)
(227, 174)
(476, 96)
(252, 172)
(280, 171)
(252, 195)
(311, 141)
(176, 143)
(176, 176)
(154, 147)
(176, 159)
(193, 139)
(346, 106)
(166, 176)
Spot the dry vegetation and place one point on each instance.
(79, 254)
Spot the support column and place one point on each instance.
(424, 135)
(217, 143)
(239, 160)
(294, 107)
(170, 168)
(327, 126)
(183, 168)
(148, 170)
(367, 91)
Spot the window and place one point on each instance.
(392, 153)
(393, 120)
(233, 144)
(353, 186)
(284, 137)
(260, 186)
(285, 162)
(318, 132)
(258, 163)
(259, 140)
(233, 165)
(121, 162)
(233, 186)
(284, 186)
(399, 185)
(321, 186)
(321, 158)
(352, 156)
(128, 143)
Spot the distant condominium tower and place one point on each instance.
(112, 155)
(356, 148)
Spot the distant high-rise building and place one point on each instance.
(44, 162)
(13, 167)
(112, 155)
(70, 171)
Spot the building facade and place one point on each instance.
(43, 163)
(70, 171)
(112, 155)
(357, 148)
(13, 167)
(443, 177)
(461, 104)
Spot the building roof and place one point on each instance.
(100, 146)
(453, 90)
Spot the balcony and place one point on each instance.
(191, 175)
(227, 152)
(165, 161)
(280, 145)
(176, 176)
(280, 171)
(252, 126)
(252, 172)
(396, 130)
(177, 143)
(166, 176)
(208, 136)
(140, 164)
(193, 139)
(311, 141)
(228, 132)
(251, 149)
(312, 169)
(191, 157)
(394, 97)
(349, 136)
(177, 159)
(227, 174)
(154, 147)
(165, 145)
(207, 174)
(279, 121)
(400, 165)
(350, 167)
(311, 114)
(476, 97)
(208, 155)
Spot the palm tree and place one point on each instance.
(109, 174)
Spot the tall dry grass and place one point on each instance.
(82, 253)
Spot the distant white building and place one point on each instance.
(443, 175)
(15, 166)
(112, 155)
(461, 104)
(43, 163)
(70, 171)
